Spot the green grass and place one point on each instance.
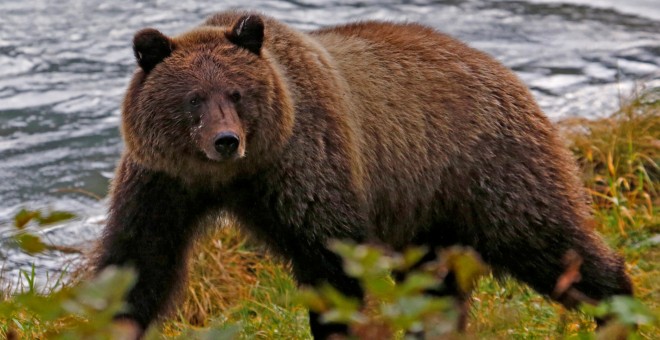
(237, 288)
(234, 283)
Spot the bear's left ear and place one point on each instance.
(151, 47)
(248, 32)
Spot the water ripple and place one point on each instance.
(65, 64)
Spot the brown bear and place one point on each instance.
(372, 131)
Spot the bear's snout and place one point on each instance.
(226, 143)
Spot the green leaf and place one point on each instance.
(408, 311)
(466, 265)
(312, 299)
(30, 243)
(416, 283)
(226, 333)
(416, 306)
(412, 256)
(107, 290)
(631, 311)
(625, 309)
(344, 309)
(336, 298)
(54, 217)
(46, 308)
(381, 287)
(23, 217)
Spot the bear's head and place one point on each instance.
(210, 100)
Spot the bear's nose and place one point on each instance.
(226, 143)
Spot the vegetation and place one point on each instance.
(236, 290)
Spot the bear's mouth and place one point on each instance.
(202, 156)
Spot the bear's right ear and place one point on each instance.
(151, 47)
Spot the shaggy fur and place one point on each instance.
(380, 132)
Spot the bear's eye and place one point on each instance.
(235, 96)
(194, 101)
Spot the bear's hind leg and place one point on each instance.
(539, 259)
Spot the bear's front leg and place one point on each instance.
(151, 222)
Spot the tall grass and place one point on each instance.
(620, 160)
(232, 281)
(619, 156)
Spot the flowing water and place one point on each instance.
(65, 64)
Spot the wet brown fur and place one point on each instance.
(389, 133)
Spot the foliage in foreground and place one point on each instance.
(401, 307)
(235, 290)
(86, 309)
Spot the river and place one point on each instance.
(64, 66)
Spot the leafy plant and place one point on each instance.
(86, 308)
(395, 307)
(23, 217)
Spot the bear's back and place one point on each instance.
(408, 77)
(430, 109)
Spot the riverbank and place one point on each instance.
(235, 288)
